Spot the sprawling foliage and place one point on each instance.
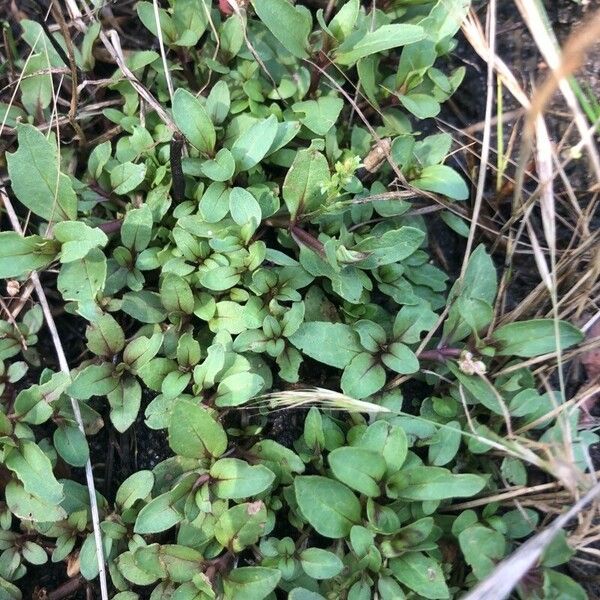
(251, 228)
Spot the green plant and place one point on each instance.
(211, 277)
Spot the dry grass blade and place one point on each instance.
(474, 33)
(487, 133)
(326, 399)
(509, 572)
(563, 65)
(161, 45)
(64, 367)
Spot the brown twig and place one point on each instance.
(58, 16)
(178, 181)
(66, 589)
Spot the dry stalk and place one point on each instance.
(510, 571)
(487, 134)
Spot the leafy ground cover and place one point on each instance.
(270, 382)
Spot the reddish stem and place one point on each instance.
(111, 226)
(306, 239)
(440, 354)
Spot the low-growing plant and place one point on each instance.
(247, 232)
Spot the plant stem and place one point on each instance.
(111, 226)
(66, 589)
(178, 185)
(440, 354)
(306, 239)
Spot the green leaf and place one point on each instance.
(144, 306)
(557, 552)
(379, 40)
(31, 507)
(36, 85)
(158, 515)
(34, 554)
(193, 432)
(480, 279)
(372, 335)
(277, 457)
(432, 483)
(400, 358)
(20, 255)
(314, 436)
(105, 336)
(343, 22)
(176, 563)
(81, 280)
(220, 278)
(146, 14)
(125, 401)
(363, 376)
(304, 594)
(536, 337)
(252, 146)
(482, 547)
(88, 558)
(388, 441)
(98, 159)
(124, 178)
(136, 487)
(334, 344)
(423, 106)
(319, 115)
(94, 380)
(445, 19)
(442, 180)
(320, 564)
(234, 479)
(237, 388)
(421, 574)
(77, 239)
(34, 470)
(176, 294)
(244, 208)
(141, 350)
(36, 179)
(302, 186)
(229, 316)
(391, 247)
(136, 230)
(250, 583)
(71, 444)
(413, 534)
(287, 23)
(131, 571)
(359, 468)
(193, 121)
(445, 444)
(218, 103)
(241, 526)
(328, 505)
(190, 20)
(478, 284)
(520, 522)
(221, 168)
(559, 585)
